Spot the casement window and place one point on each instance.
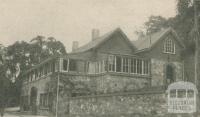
(96, 67)
(170, 74)
(169, 46)
(111, 63)
(57, 65)
(65, 64)
(102, 66)
(139, 66)
(125, 65)
(91, 67)
(72, 65)
(145, 67)
(133, 66)
(118, 64)
(129, 65)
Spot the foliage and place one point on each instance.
(155, 24)
(183, 23)
(26, 54)
(4, 86)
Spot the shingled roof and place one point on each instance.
(98, 41)
(149, 41)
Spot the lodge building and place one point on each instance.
(108, 64)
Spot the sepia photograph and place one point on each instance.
(99, 58)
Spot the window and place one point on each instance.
(72, 65)
(145, 67)
(57, 65)
(128, 65)
(169, 74)
(119, 63)
(96, 67)
(111, 63)
(91, 67)
(102, 66)
(65, 65)
(169, 46)
(133, 65)
(139, 66)
(125, 65)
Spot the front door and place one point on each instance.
(169, 74)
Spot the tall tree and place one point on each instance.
(155, 23)
(24, 55)
(38, 46)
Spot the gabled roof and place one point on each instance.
(149, 41)
(98, 41)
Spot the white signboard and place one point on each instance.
(181, 106)
(181, 97)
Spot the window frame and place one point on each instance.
(169, 46)
(66, 60)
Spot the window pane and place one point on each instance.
(132, 66)
(119, 63)
(146, 67)
(125, 64)
(139, 66)
(170, 73)
(169, 46)
(111, 63)
(65, 64)
(72, 65)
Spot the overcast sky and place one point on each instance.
(73, 20)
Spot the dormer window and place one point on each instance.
(169, 46)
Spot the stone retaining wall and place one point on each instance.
(137, 104)
(108, 82)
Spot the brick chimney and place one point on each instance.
(74, 45)
(95, 34)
